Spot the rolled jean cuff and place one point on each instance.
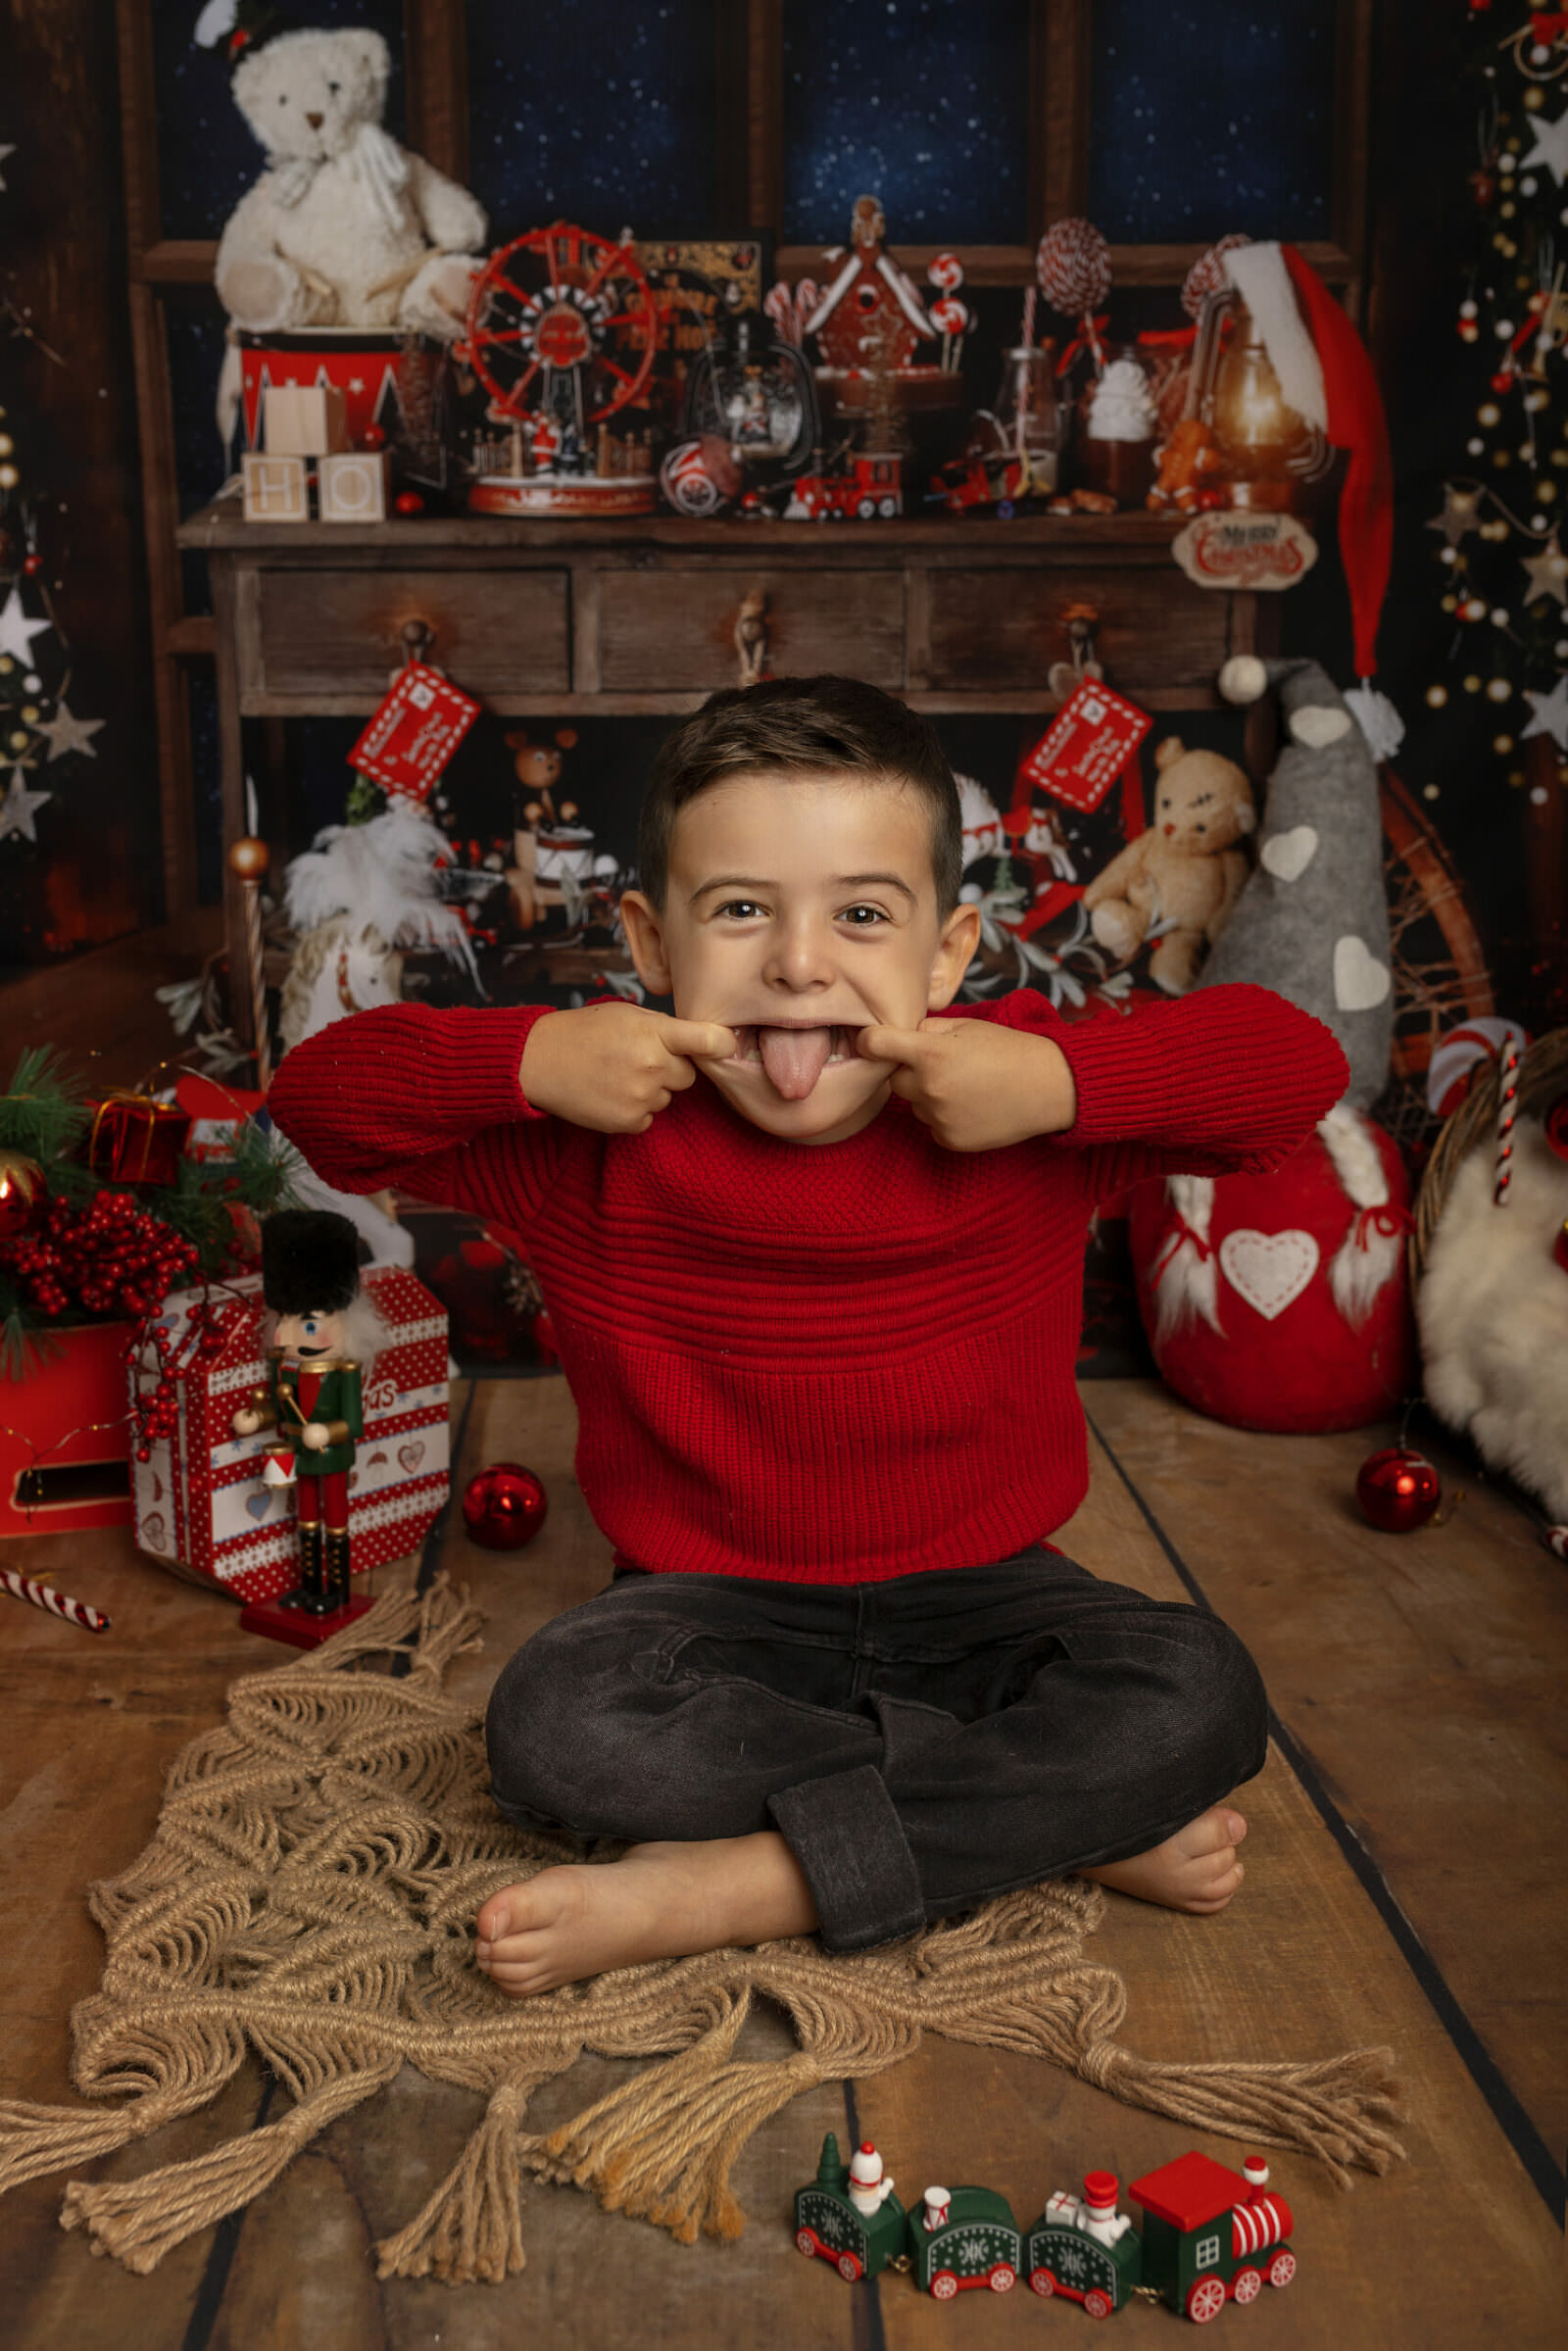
(847, 1836)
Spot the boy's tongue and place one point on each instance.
(793, 1058)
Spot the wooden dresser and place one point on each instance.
(632, 618)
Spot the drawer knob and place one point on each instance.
(751, 637)
(417, 639)
(1079, 622)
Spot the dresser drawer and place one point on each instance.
(673, 630)
(335, 634)
(1001, 628)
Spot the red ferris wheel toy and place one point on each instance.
(562, 331)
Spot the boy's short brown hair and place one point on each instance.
(801, 726)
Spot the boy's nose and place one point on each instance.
(801, 960)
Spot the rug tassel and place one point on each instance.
(667, 2152)
(139, 2221)
(36, 2140)
(1336, 2110)
(471, 2228)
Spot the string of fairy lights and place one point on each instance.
(1502, 517)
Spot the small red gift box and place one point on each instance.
(1095, 736)
(137, 1140)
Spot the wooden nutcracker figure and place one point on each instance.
(327, 1331)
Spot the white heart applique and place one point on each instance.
(1268, 1269)
(1360, 980)
(1286, 856)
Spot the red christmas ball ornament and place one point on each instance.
(504, 1506)
(32, 565)
(374, 436)
(1398, 1490)
(409, 502)
(1502, 381)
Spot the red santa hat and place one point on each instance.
(1326, 376)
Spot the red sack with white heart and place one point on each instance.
(1280, 1302)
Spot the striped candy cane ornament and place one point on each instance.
(1507, 1112)
(58, 1604)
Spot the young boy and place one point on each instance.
(813, 1248)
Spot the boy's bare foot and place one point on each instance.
(658, 1901)
(1196, 1869)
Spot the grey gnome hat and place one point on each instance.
(1312, 922)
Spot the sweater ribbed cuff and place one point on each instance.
(492, 1081)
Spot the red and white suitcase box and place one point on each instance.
(200, 1500)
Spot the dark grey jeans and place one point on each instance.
(921, 1744)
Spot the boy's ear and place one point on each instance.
(956, 950)
(644, 937)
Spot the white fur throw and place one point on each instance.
(1492, 1308)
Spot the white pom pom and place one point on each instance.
(1243, 678)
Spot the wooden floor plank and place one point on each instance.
(1424, 1676)
(1456, 2242)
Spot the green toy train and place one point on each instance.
(1210, 2235)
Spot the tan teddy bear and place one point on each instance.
(1183, 875)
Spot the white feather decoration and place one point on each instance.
(1368, 1256)
(383, 875)
(1186, 1279)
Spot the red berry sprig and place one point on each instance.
(109, 1257)
(155, 1411)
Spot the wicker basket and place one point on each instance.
(1542, 1077)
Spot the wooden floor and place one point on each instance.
(1405, 1885)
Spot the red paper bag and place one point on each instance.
(1093, 739)
(414, 733)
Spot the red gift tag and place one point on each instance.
(414, 732)
(1095, 734)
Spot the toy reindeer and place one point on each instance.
(326, 1333)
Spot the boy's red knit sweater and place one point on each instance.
(823, 1364)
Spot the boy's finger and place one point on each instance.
(700, 1040)
(877, 1044)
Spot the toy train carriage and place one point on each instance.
(829, 2226)
(1204, 2242)
(1083, 2247)
(871, 487)
(961, 2237)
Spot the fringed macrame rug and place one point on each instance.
(310, 1894)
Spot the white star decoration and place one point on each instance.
(1548, 573)
(1458, 515)
(18, 805)
(1550, 713)
(17, 632)
(66, 733)
(1550, 148)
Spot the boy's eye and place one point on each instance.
(862, 918)
(740, 908)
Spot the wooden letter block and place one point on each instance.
(352, 488)
(302, 419)
(276, 489)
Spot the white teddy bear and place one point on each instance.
(344, 228)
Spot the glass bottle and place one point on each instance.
(1029, 413)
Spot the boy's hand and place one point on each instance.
(976, 1085)
(613, 1066)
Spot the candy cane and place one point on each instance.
(58, 1604)
(1507, 1111)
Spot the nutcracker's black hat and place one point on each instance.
(310, 1262)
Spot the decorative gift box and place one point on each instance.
(66, 1440)
(202, 1499)
(136, 1139)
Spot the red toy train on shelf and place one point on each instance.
(1210, 2235)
